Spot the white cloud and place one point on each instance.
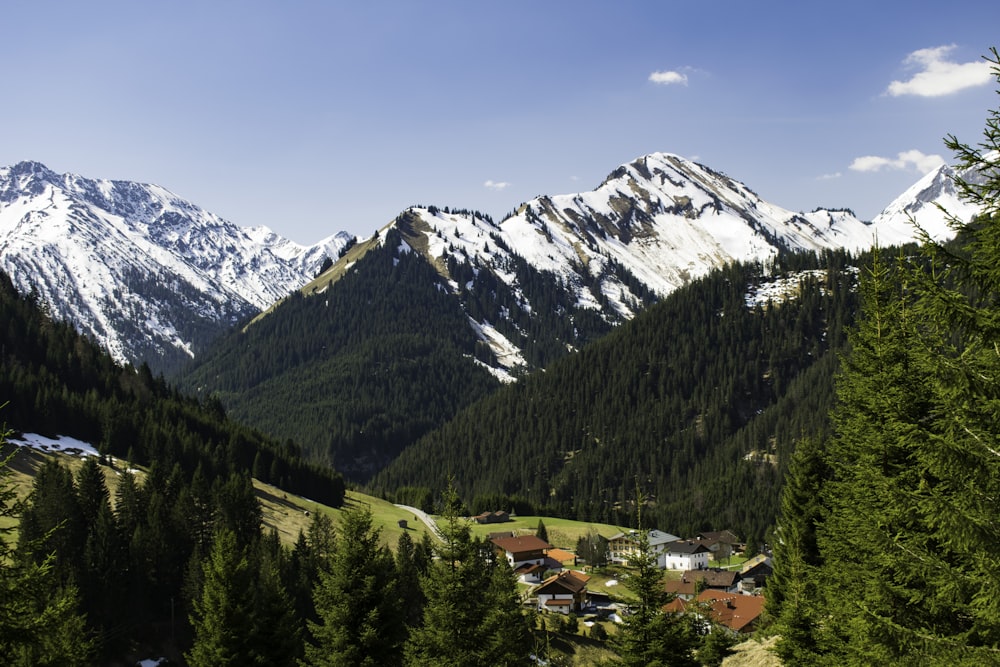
(939, 76)
(496, 185)
(828, 177)
(912, 159)
(668, 78)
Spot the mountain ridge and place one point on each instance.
(154, 277)
(137, 268)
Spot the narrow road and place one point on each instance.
(425, 517)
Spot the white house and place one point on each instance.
(685, 555)
(623, 546)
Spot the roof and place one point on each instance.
(759, 559)
(560, 555)
(687, 547)
(724, 536)
(736, 612)
(567, 580)
(713, 578)
(656, 537)
(529, 568)
(521, 543)
(558, 602)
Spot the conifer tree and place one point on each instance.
(649, 636)
(541, 531)
(357, 600)
(223, 616)
(39, 619)
(472, 615)
(411, 565)
(792, 590)
(908, 571)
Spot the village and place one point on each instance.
(706, 574)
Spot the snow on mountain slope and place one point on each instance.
(136, 267)
(659, 221)
(150, 275)
(923, 202)
(670, 220)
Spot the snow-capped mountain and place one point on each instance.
(653, 225)
(144, 272)
(929, 202)
(152, 276)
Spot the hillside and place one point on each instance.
(698, 401)
(58, 383)
(356, 373)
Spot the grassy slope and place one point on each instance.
(288, 514)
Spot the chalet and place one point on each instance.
(694, 581)
(623, 546)
(522, 549)
(492, 517)
(754, 574)
(685, 555)
(739, 613)
(721, 543)
(563, 593)
(530, 573)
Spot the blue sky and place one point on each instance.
(318, 117)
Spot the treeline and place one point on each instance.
(179, 566)
(356, 372)
(885, 552)
(698, 400)
(56, 382)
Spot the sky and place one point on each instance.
(319, 117)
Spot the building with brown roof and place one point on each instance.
(739, 613)
(522, 549)
(693, 581)
(563, 592)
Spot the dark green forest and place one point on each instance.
(698, 400)
(354, 373)
(367, 364)
(56, 382)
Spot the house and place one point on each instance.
(754, 574)
(522, 549)
(492, 517)
(623, 546)
(721, 543)
(561, 556)
(563, 593)
(685, 555)
(530, 573)
(739, 613)
(694, 581)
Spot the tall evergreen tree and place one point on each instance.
(908, 569)
(471, 616)
(649, 636)
(357, 600)
(39, 619)
(223, 617)
(411, 564)
(541, 531)
(792, 591)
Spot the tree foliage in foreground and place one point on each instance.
(906, 568)
(40, 622)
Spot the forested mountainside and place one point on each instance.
(56, 382)
(365, 364)
(697, 403)
(354, 374)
